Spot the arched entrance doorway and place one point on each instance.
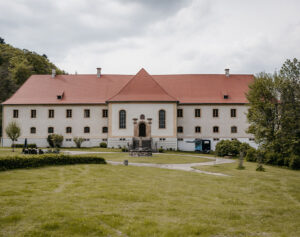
(142, 130)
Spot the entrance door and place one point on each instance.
(142, 130)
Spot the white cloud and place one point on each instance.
(188, 36)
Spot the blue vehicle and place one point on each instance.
(201, 145)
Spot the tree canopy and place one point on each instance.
(16, 66)
(274, 112)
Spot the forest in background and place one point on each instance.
(16, 66)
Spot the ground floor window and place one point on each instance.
(32, 130)
(86, 129)
(197, 129)
(215, 129)
(180, 129)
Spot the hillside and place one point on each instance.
(16, 65)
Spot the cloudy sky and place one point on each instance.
(163, 36)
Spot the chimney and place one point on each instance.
(98, 71)
(227, 72)
(53, 73)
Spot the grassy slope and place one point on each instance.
(96, 200)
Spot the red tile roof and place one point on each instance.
(89, 89)
(142, 87)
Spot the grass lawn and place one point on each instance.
(106, 200)
(156, 158)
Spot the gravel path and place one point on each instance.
(183, 167)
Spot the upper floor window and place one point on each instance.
(86, 113)
(179, 113)
(233, 129)
(122, 119)
(69, 113)
(215, 113)
(16, 113)
(215, 129)
(33, 113)
(104, 113)
(197, 129)
(233, 113)
(162, 119)
(68, 129)
(86, 129)
(180, 129)
(197, 113)
(51, 113)
(32, 130)
(50, 130)
(104, 129)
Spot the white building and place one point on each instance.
(173, 110)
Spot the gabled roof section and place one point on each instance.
(142, 87)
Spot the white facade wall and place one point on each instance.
(165, 138)
(116, 137)
(207, 122)
(59, 123)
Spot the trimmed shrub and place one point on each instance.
(30, 161)
(228, 148)
(103, 145)
(124, 149)
(160, 150)
(33, 145)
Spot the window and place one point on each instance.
(33, 113)
(51, 113)
(216, 139)
(50, 130)
(86, 129)
(68, 130)
(16, 113)
(104, 113)
(32, 130)
(197, 113)
(215, 113)
(179, 113)
(104, 129)
(162, 119)
(233, 129)
(69, 113)
(197, 129)
(215, 129)
(68, 139)
(226, 97)
(251, 139)
(180, 139)
(122, 119)
(233, 113)
(86, 113)
(180, 129)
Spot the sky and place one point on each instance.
(163, 36)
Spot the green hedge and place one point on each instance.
(22, 145)
(31, 161)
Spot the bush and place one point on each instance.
(124, 149)
(33, 145)
(103, 145)
(78, 141)
(55, 140)
(251, 155)
(294, 162)
(228, 148)
(160, 150)
(30, 161)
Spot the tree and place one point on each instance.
(2, 41)
(78, 141)
(263, 114)
(55, 140)
(274, 113)
(13, 131)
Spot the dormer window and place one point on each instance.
(60, 95)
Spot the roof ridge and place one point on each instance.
(136, 75)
